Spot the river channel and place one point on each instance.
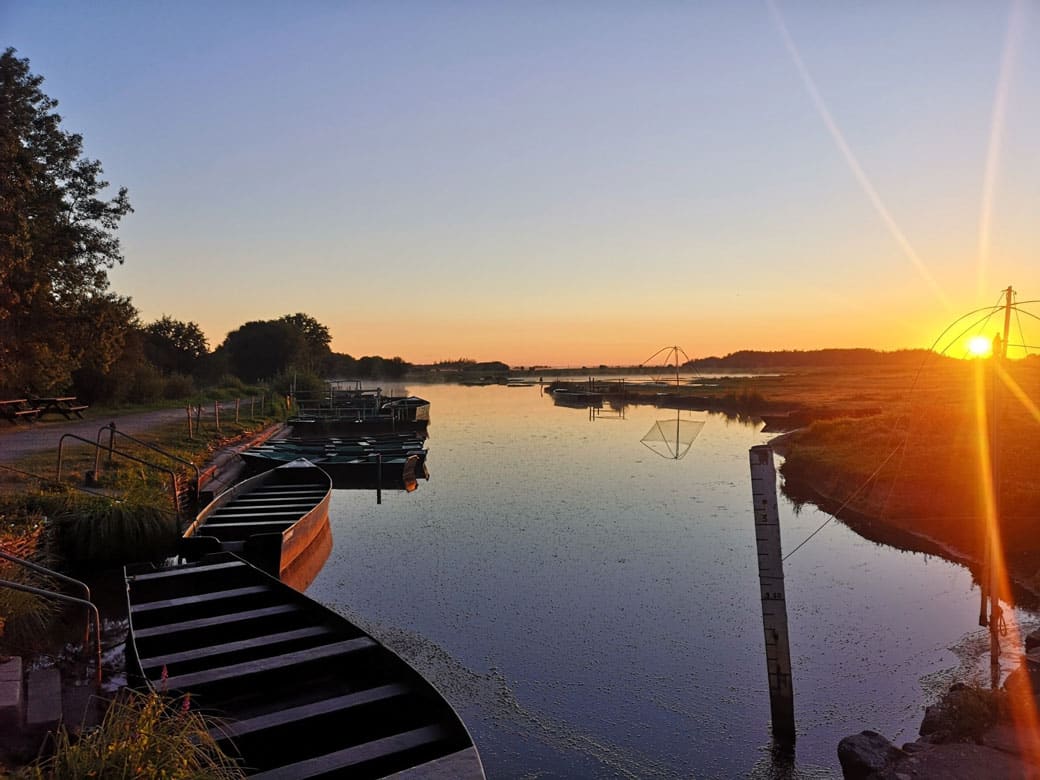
(591, 607)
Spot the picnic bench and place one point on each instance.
(18, 409)
(66, 405)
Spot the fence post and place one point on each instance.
(191, 433)
(238, 401)
(216, 415)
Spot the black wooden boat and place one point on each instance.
(388, 461)
(340, 412)
(300, 690)
(273, 519)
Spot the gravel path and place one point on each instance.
(222, 470)
(17, 441)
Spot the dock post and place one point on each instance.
(379, 478)
(771, 584)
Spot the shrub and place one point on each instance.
(178, 386)
(105, 533)
(141, 735)
(24, 617)
(146, 385)
(307, 384)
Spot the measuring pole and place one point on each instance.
(771, 584)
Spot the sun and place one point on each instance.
(979, 346)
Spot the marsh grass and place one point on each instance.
(144, 735)
(104, 533)
(928, 439)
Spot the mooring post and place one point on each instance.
(771, 584)
(379, 478)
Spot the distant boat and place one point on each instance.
(580, 398)
(270, 520)
(300, 690)
(350, 412)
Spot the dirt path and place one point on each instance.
(45, 436)
(17, 441)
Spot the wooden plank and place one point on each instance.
(188, 682)
(200, 598)
(316, 709)
(270, 506)
(234, 515)
(250, 501)
(227, 648)
(290, 487)
(184, 570)
(218, 620)
(284, 522)
(359, 754)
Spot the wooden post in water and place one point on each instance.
(771, 584)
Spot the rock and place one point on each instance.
(866, 754)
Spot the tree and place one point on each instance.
(259, 350)
(57, 243)
(315, 357)
(173, 346)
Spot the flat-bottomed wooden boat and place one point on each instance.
(301, 691)
(271, 519)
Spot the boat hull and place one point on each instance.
(300, 690)
(273, 520)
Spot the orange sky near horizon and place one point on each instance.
(565, 185)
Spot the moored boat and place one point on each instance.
(386, 461)
(300, 690)
(580, 398)
(271, 519)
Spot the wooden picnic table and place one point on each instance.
(18, 409)
(65, 405)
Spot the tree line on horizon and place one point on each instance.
(62, 330)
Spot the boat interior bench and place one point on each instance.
(18, 409)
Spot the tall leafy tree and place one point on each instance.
(174, 346)
(262, 349)
(316, 357)
(57, 244)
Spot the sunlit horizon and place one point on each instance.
(559, 186)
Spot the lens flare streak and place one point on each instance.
(1023, 707)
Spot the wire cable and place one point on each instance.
(845, 503)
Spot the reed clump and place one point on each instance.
(142, 735)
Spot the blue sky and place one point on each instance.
(560, 183)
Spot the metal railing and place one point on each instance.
(112, 432)
(72, 599)
(128, 456)
(57, 575)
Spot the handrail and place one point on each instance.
(57, 575)
(50, 481)
(62, 597)
(173, 476)
(111, 428)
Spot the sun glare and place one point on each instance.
(979, 346)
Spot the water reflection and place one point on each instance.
(605, 605)
(672, 438)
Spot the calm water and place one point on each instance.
(591, 608)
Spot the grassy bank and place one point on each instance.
(919, 468)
